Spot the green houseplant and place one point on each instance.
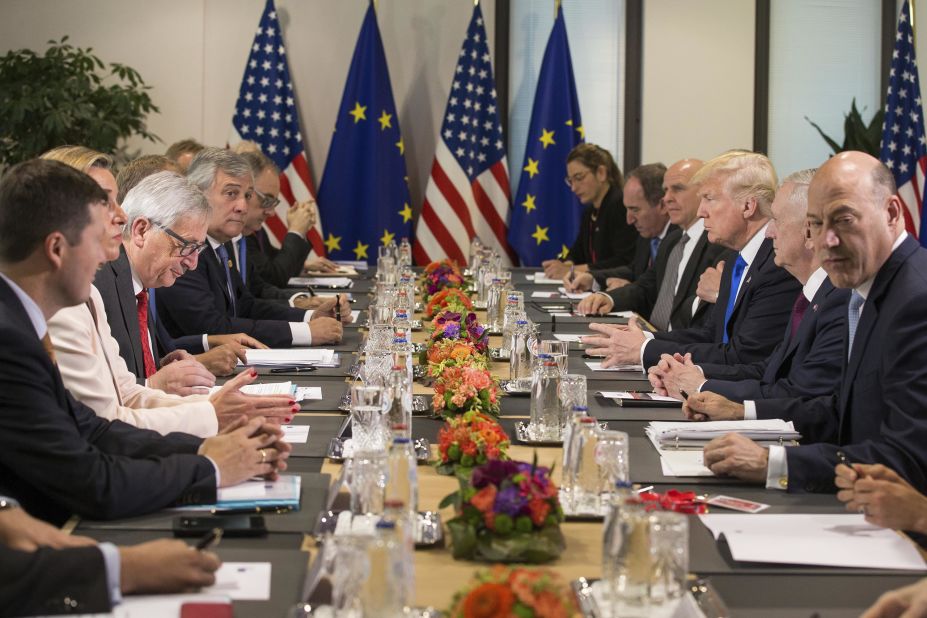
(857, 135)
(68, 96)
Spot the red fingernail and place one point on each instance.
(295, 408)
(292, 403)
(288, 419)
(253, 373)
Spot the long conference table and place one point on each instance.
(748, 589)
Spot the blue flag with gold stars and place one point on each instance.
(545, 213)
(364, 195)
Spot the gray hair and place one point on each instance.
(798, 196)
(164, 198)
(209, 161)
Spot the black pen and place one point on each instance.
(310, 290)
(211, 539)
(293, 369)
(684, 394)
(338, 307)
(842, 458)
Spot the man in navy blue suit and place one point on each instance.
(755, 297)
(212, 298)
(807, 360)
(877, 414)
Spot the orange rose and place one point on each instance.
(488, 601)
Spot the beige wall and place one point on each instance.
(193, 53)
(698, 78)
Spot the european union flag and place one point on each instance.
(364, 198)
(546, 215)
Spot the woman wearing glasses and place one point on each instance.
(605, 238)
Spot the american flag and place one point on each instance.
(468, 191)
(266, 114)
(904, 146)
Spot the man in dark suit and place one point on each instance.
(755, 295)
(212, 298)
(876, 415)
(643, 195)
(57, 457)
(45, 571)
(675, 296)
(807, 360)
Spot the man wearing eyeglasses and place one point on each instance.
(212, 298)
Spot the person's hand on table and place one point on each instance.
(181, 374)
(613, 283)
(620, 345)
(20, 530)
(327, 308)
(712, 407)
(246, 448)
(679, 373)
(320, 265)
(241, 339)
(222, 360)
(737, 456)
(907, 602)
(595, 304)
(325, 330)
(165, 566)
(709, 283)
(655, 377)
(884, 497)
(580, 282)
(230, 403)
(557, 269)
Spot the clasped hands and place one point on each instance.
(247, 448)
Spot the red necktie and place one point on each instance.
(798, 312)
(150, 367)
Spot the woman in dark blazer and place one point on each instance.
(605, 238)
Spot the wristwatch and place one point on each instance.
(8, 503)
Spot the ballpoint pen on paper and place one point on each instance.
(256, 510)
(211, 539)
(293, 369)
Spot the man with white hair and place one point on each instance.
(159, 208)
(212, 298)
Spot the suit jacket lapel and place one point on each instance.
(689, 272)
(217, 272)
(752, 271)
(125, 291)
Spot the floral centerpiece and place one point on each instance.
(468, 440)
(453, 325)
(504, 592)
(451, 353)
(508, 511)
(460, 389)
(441, 276)
(450, 299)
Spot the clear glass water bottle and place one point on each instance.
(476, 248)
(626, 556)
(570, 437)
(519, 357)
(400, 410)
(584, 469)
(383, 592)
(402, 474)
(495, 302)
(405, 252)
(406, 522)
(545, 402)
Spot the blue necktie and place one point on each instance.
(654, 246)
(856, 302)
(739, 266)
(152, 308)
(242, 259)
(224, 258)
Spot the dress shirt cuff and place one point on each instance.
(750, 411)
(610, 299)
(701, 386)
(777, 469)
(595, 285)
(301, 334)
(296, 296)
(216, 468)
(648, 336)
(308, 315)
(113, 563)
(205, 343)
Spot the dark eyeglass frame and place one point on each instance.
(576, 178)
(267, 201)
(187, 247)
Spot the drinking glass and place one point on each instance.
(368, 482)
(368, 418)
(669, 556)
(611, 456)
(572, 392)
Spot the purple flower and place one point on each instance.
(451, 330)
(510, 501)
(493, 471)
(448, 316)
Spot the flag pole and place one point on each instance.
(913, 28)
(556, 8)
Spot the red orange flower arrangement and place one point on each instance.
(441, 276)
(461, 389)
(515, 592)
(451, 299)
(470, 440)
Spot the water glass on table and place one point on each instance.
(368, 482)
(369, 413)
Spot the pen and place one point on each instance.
(310, 290)
(684, 394)
(293, 369)
(842, 458)
(338, 307)
(644, 489)
(572, 274)
(256, 510)
(211, 539)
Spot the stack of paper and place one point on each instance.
(573, 296)
(597, 366)
(689, 435)
(269, 388)
(320, 282)
(814, 539)
(542, 279)
(290, 357)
